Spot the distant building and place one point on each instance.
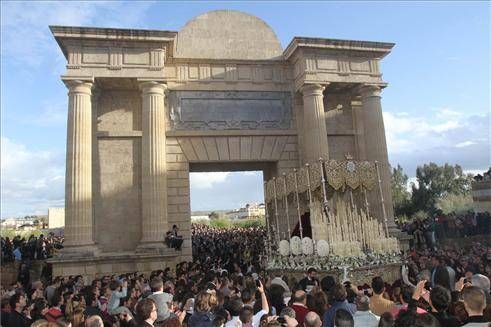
(250, 211)
(9, 223)
(195, 218)
(481, 192)
(21, 223)
(56, 218)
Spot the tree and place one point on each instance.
(455, 203)
(400, 194)
(434, 182)
(213, 215)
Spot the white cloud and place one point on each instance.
(31, 180)
(207, 180)
(443, 135)
(464, 144)
(27, 41)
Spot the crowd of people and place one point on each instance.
(226, 285)
(34, 248)
(219, 247)
(427, 232)
(195, 296)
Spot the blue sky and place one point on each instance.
(436, 107)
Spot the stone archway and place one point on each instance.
(146, 107)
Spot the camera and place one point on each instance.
(258, 283)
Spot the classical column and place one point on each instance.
(376, 150)
(154, 174)
(315, 146)
(78, 183)
(314, 124)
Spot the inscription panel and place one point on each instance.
(93, 55)
(135, 56)
(211, 110)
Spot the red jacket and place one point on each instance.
(53, 314)
(300, 313)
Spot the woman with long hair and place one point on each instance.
(77, 318)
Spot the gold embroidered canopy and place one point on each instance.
(338, 174)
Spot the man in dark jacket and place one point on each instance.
(310, 281)
(146, 313)
(17, 317)
(440, 301)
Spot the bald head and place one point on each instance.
(312, 319)
(300, 297)
(481, 281)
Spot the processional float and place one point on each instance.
(344, 232)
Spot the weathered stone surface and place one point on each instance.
(227, 34)
(214, 110)
(148, 107)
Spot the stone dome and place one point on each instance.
(227, 34)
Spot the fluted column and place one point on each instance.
(78, 183)
(154, 174)
(314, 124)
(376, 150)
(315, 145)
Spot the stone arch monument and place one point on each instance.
(146, 107)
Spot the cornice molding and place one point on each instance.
(297, 42)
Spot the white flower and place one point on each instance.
(307, 246)
(322, 248)
(284, 247)
(296, 245)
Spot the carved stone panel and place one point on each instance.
(217, 110)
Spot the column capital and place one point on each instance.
(369, 90)
(312, 89)
(152, 86)
(78, 86)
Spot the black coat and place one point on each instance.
(18, 320)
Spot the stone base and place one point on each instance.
(80, 251)
(154, 248)
(115, 263)
(389, 272)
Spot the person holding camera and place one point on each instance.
(118, 291)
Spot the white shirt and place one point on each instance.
(234, 322)
(256, 319)
(365, 319)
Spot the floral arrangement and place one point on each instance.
(322, 248)
(284, 248)
(296, 245)
(332, 262)
(307, 246)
